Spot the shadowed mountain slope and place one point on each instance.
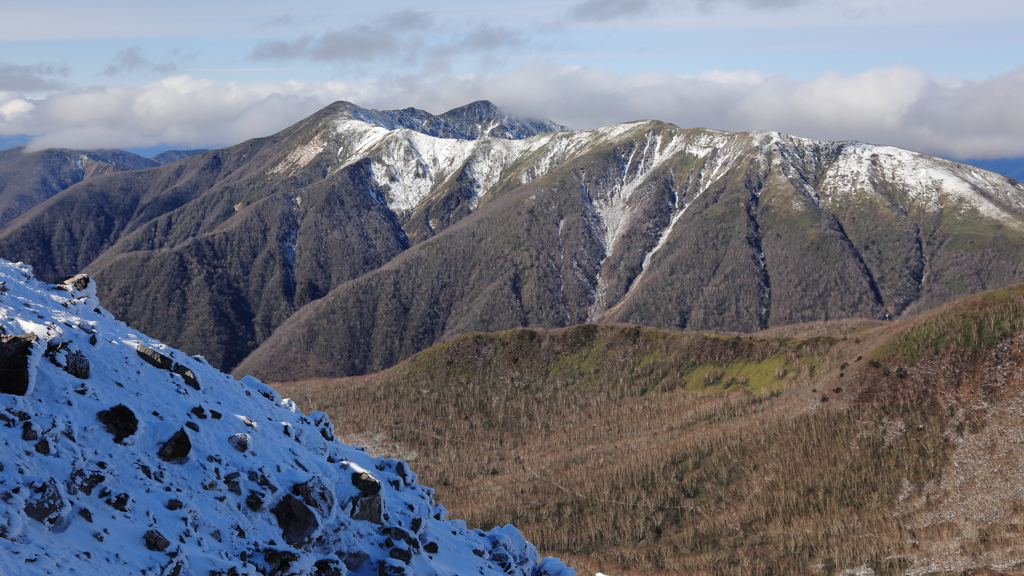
(27, 179)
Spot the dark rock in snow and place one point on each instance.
(120, 421)
(187, 375)
(240, 442)
(156, 541)
(366, 484)
(14, 353)
(28, 432)
(327, 567)
(296, 520)
(353, 560)
(46, 504)
(77, 282)
(154, 358)
(279, 561)
(254, 501)
(71, 361)
(84, 481)
(176, 448)
(316, 494)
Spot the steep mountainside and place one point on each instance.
(27, 179)
(861, 447)
(170, 156)
(653, 225)
(213, 252)
(357, 237)
(123, 456)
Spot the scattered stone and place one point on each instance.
(366, 484)
(279, 561)
(154, 358)
(327, 567)
(392, 568)
(71, 361)
(77, 282)
(317, 494)
(85, 513)
(156, 541)
(187, 375)
(176, 448)
(199, 412)
(28, 432)
(14, 353)
(254, 500)
(234, 486)
(400, 554)
(192, 426)
(296, 520)
(120, 421)
(174, 504)
(240, 442)
(118, 502)
(46, 505)
(430, 547)
(43, 447)
(76, 364)
(367, 508)
(216, 415)
(84, 481)
(353, 560)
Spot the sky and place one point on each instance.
(938, 76)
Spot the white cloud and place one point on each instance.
(898, 105)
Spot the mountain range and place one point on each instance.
(356, 238)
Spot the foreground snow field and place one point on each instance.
(121, 455)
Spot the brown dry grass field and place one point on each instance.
(850, 447)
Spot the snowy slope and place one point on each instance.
(123, 456)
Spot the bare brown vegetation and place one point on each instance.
(593, 443)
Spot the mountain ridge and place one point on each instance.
(642, 222)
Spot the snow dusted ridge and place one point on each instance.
(123, 456)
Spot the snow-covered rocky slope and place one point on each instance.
(123, 456)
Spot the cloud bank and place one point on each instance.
(899, 106)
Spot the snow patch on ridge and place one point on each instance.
(932, 182)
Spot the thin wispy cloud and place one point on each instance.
(604, 10)
(130, 60)
(398, 35)
(32, 78)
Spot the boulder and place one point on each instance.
(176, 448)
(296, 520)
(317, 494)
(46, 505)
(156, 541)
(240, 442)
(154, 358)
(14, 353)
(77, 282)
(120, 421)
(187, 375)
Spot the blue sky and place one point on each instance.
(938, 76)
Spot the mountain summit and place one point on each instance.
(480, 119)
